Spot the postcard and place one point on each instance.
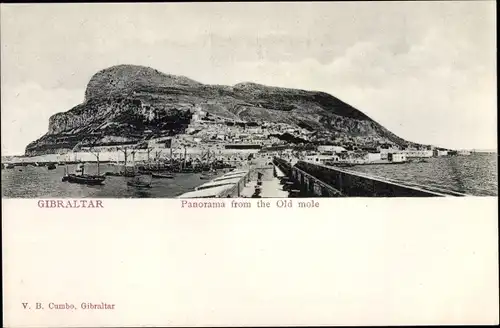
(249, 164)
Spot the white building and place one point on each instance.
(439, 153)
(254, 130)
(320, 159)
(417, 153)
(397, 157)
(384, 152)
(373, 157)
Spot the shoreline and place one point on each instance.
(141, 156)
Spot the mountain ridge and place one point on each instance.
(127, 103)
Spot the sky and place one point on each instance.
(424, 70)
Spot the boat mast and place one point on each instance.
(98, 171)
(185, 152)
(124, 150)
(171, 157)
(66, 165)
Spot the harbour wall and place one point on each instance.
(317, 180)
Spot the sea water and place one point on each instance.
(474, 175)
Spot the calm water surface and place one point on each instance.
(36, 182)
(473, 175)
(476, 174)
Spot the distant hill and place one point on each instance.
(126, 103)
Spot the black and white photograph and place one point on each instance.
(249, 100)
(249, 164)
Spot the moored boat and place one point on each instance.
(140, 181)
(207, 175)
(114, 174)
(85, 179)
(138, 184)
(162, 175)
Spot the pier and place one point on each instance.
(256, 180)
(316, 180)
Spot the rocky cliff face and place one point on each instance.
(125, 104)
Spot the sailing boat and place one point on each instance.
(83, 178)
(208, 175)
(157, 171)
(129, 170)
(140, 180)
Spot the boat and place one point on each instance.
(162, 175)
(85, 179)
(114, 174)
(138, 183)
(51, 166)
(129, 171)
(132, 171)
(207, 175)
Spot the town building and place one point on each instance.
(439, 153)
(397, 157)
(417, 153)
(321, 159)
(373, 157)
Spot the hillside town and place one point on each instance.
(209, 137)
(227, 138)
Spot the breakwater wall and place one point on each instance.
(326, 181)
